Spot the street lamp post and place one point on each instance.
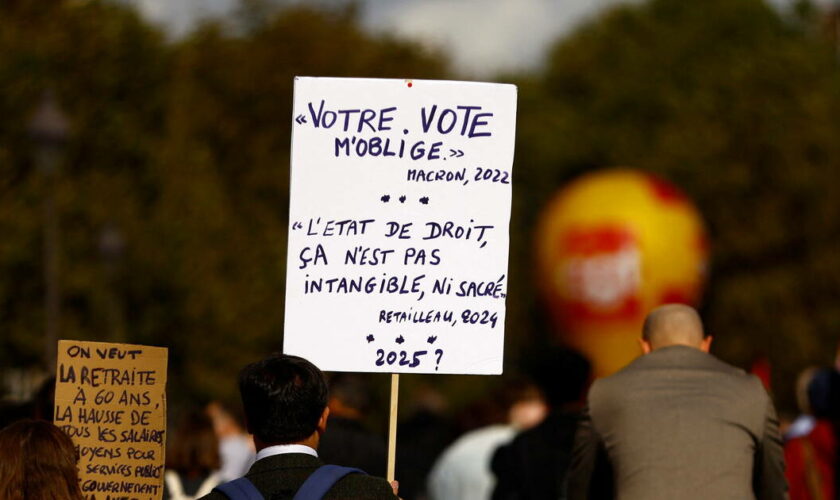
(48, 128)
(111, 247)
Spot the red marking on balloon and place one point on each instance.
(702, 243)
(410, 84)
(600, 274)
(665, 191)
(677, 296)
(630, 309)
(589, 241)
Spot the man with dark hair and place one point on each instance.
(678, 423)
(535, 464)
(285, 403)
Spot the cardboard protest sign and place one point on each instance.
(398, 224)
(111, 400)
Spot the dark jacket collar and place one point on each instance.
(285, 461)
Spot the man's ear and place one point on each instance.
(706, 344)
(322, 422)
(645, 345)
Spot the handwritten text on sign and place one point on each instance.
(111, 400)
(398, 237)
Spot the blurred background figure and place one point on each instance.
(422, 435)
(40, 407)
(43, 402)
(236, 447)
(463, 470)
(535, 464)
(811, 441)
(37, 461)
(347, 440)
(192, 458)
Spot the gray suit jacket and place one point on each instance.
(678, 424)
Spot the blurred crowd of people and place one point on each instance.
(516, 443)
(811, 438)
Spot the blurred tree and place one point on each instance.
(737, 105)
(109, 72)
(223, 211)
(173, 196)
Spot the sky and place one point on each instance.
(481, 37)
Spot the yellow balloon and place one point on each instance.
(611, 246)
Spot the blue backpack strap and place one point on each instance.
(240, 489)
(319, 482)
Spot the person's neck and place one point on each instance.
(312, 442)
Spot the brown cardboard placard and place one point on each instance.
(111, 400)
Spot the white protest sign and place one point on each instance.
(398, 225)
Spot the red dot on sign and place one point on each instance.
(409, 84)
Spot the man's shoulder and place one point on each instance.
(279, 476)
(361, 486)
(352, 486)
(675, 362)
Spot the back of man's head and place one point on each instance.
(283, 397)
(561, 373)
(674, 324)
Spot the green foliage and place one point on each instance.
(109, 72)
(737, 106)
(183, 151)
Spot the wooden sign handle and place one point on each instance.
(392, 426)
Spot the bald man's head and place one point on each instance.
(674, 324)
